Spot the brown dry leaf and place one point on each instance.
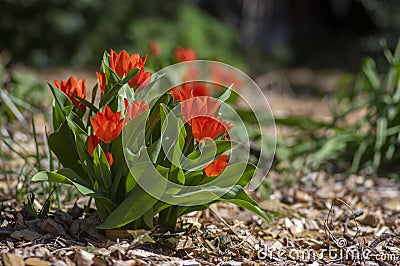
(114, 234)
(36, 262)
(50, 226)
(10, 259)
(393, 204)
(83, 258)
(25, 234)
(369, 219)
(302, 196)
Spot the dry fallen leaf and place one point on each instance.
(36, 262)
(83, 258)
(25, 234)
(10, 259)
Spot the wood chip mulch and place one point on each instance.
(319, 220)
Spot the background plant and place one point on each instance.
(371, 142)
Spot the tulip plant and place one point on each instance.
(97, 144)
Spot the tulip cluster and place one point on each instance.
(88, 142)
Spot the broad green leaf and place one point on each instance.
(211, 150)
(131, 209)
(104, 207)
(58, 116)
(130, 183)
(65, 176)
(133, 137)
(240, 198)
(61, 98)
(148, 218)
(236, 174)
(62, 143)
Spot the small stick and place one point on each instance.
(349, 217)
(380, 239)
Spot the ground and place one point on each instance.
(320, 218)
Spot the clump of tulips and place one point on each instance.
(101, 144)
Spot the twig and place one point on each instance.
(352, 216)
(380, 239)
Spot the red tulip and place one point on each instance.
(73, 86)
(216, 167)
(199, 106)
(141, 79)
(204, 128)
(135, 108)
(107, 125)
(189, 90)
(122, 63)
(225, 76)
(183, 54)
(154, 47)
(93, 141)
(101, 78)
(110, 159)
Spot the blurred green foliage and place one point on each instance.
(46, 33)
(19, 91)
(192, 28)
(364, 133)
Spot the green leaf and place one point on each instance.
(113, 92)
(131, 209)
(154, 150)
(61, 98)
(58, 116)
(148, 218)
(130, 183)
(65, 176)
(369, 70)
(102, 170)
(133, 137)
(396, 55)
(301, 122)
(104, 207)
(211, 150)
(127, 93)
(119, 170)
(62, 143)
(239, 197)
(225, 96)
(154, 116)
(236, 174)
(86, 103)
